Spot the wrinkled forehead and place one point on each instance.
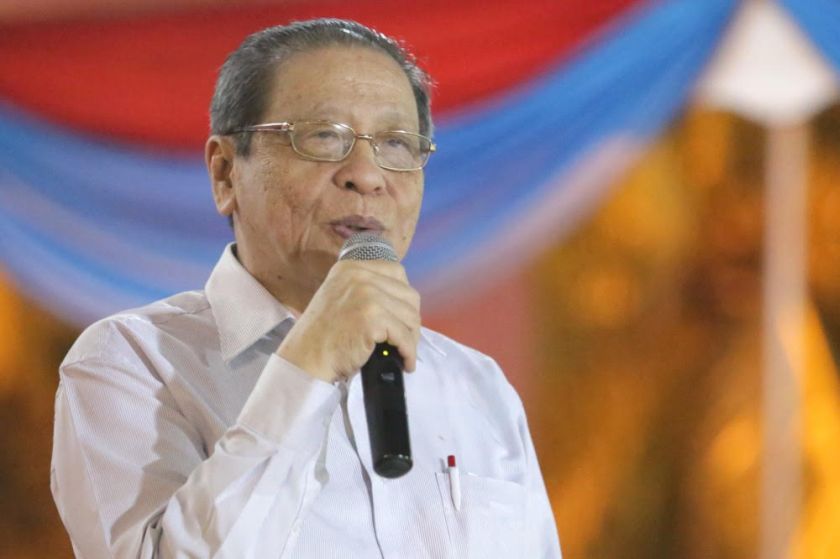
(342, 82)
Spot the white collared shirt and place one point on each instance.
(180, 433)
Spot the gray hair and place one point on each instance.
(245, 78)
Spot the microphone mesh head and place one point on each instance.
(367, 246)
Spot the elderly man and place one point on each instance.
(229, 422)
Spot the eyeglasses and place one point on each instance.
(320, 140)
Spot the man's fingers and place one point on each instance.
(404, 337)
(375, 268)
(361, 303)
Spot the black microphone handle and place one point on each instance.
(384, 394)
(382, 377)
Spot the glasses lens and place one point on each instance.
(322, 140)
(402, 150)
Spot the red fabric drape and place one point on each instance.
(149, 79)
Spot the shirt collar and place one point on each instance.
(243, 309)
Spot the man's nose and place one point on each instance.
(359, 170)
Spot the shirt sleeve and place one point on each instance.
(131, 477)
(542, 539)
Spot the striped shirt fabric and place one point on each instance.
(179, 432)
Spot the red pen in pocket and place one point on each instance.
(454, 481)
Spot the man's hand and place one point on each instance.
(360, 304)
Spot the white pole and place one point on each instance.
(785, 247)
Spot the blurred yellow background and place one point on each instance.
(641, 373)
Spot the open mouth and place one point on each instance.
(348, 225)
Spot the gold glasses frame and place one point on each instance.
(289, 128)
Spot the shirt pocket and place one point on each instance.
(491, 519)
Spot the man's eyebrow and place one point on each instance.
(392, 117)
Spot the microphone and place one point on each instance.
(382, 378)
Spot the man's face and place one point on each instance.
(291, 215)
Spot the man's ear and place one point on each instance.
(218, 156)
